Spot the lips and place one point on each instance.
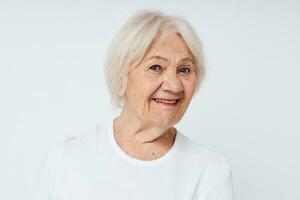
(166, 101)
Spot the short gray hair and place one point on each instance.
(133, 41)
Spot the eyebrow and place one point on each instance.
(187, 59)
(165, 59)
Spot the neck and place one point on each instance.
(131, 128)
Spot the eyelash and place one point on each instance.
(189, 70)
(151, 68)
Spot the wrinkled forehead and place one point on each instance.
(169, 43)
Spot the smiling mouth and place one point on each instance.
(168, 102)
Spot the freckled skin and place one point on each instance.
(145, 128)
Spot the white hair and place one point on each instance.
(133, 41)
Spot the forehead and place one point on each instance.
(169, 43)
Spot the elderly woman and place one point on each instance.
(153, 68)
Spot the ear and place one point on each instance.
(123, 85)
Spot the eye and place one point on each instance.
(185, 70)
(155, 68)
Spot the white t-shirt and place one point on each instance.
(94, 167)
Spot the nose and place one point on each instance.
(172, 83)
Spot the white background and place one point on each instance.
(51, 85)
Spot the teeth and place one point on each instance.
(166, 101)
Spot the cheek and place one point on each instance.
(138, 85)
(148, 86)
(189, 89)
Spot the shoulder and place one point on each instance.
(203, 157)
(75, 146)
(80, 142)
(72, 151)
(210, 167)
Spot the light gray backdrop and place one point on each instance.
(51, 83)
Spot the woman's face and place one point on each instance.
(161, 87)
